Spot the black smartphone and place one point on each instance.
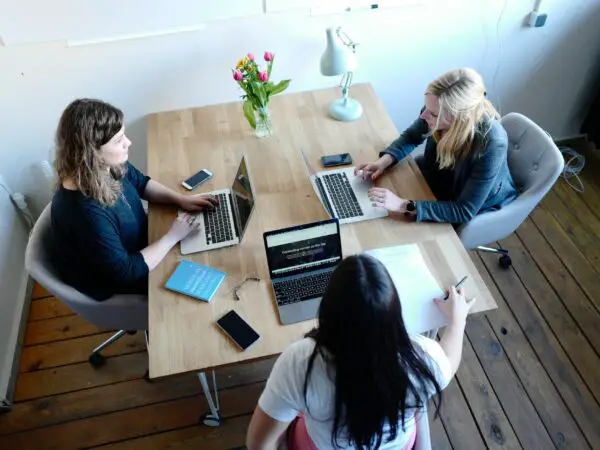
(238, 330)
(336, 160)
(197, 179)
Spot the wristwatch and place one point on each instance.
(410, 208)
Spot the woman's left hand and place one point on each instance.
(384, 198)
(197, 203)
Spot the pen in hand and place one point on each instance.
(457, 285)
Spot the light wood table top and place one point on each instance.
(183, 334)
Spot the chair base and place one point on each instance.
(5, 406)
(504, 261)
(96, 359)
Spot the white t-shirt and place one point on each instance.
(283, 397)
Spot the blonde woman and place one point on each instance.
(465, 155)
(99, 226)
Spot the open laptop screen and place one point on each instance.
(303, 248)
(242, 197)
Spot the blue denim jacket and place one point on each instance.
(479, 182)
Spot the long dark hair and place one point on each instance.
(362, 336)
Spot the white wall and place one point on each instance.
(546, 73)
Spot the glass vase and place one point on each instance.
(264, 127)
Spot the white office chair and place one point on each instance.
(535, 164)
(127, 313)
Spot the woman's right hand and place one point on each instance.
(456, 307)
(183, 225)
(375, 168)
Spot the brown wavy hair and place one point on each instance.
(84, 127)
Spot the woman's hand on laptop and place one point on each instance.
(384, 198)
(183, 225)
(374, 169)
(197, 203)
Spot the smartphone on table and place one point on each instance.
(197, 179)
(242, 334)
(341, 159)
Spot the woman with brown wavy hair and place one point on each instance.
(99, 225)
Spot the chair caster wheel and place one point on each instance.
(97, 360)
(505, 261)
(5, 406)
(211, 421)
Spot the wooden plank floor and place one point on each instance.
(529, 379)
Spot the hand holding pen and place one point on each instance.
(455, 306)
(456, 286)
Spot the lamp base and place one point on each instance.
(345, 109)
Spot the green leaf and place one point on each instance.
(243, 86)
(259, 90)
(280, 87)
(249, 113)
(270, 67)
(268, 89)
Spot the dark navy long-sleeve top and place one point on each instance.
(97, 248)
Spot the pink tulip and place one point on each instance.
(263, 76)
(238, 76)
(250, 57)
(268, 56)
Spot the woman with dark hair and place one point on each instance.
(99, 227)
(357, 380)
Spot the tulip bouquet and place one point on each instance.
(258, 90)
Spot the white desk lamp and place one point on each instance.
(340, 59)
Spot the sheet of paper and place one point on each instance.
(415, 284)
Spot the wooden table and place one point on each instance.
(183, 334)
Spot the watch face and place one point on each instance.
(410, 206)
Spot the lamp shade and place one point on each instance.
(337, 59)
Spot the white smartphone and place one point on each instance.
(238, 330)
(197, 179)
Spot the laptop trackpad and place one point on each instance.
(298, 312)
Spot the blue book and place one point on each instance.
(195, 280)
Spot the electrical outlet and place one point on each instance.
(537, 19)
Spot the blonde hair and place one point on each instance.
(84, 127)
(462, 100)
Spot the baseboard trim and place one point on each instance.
(578, 140)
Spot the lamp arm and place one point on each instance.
(346, 40)
(345, 85)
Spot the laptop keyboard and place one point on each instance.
(217, 222)
(304, 288)
(345, 202)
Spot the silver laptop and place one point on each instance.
(343, 194)
(301, 260)
(224, 225)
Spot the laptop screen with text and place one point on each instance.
(303, 249)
